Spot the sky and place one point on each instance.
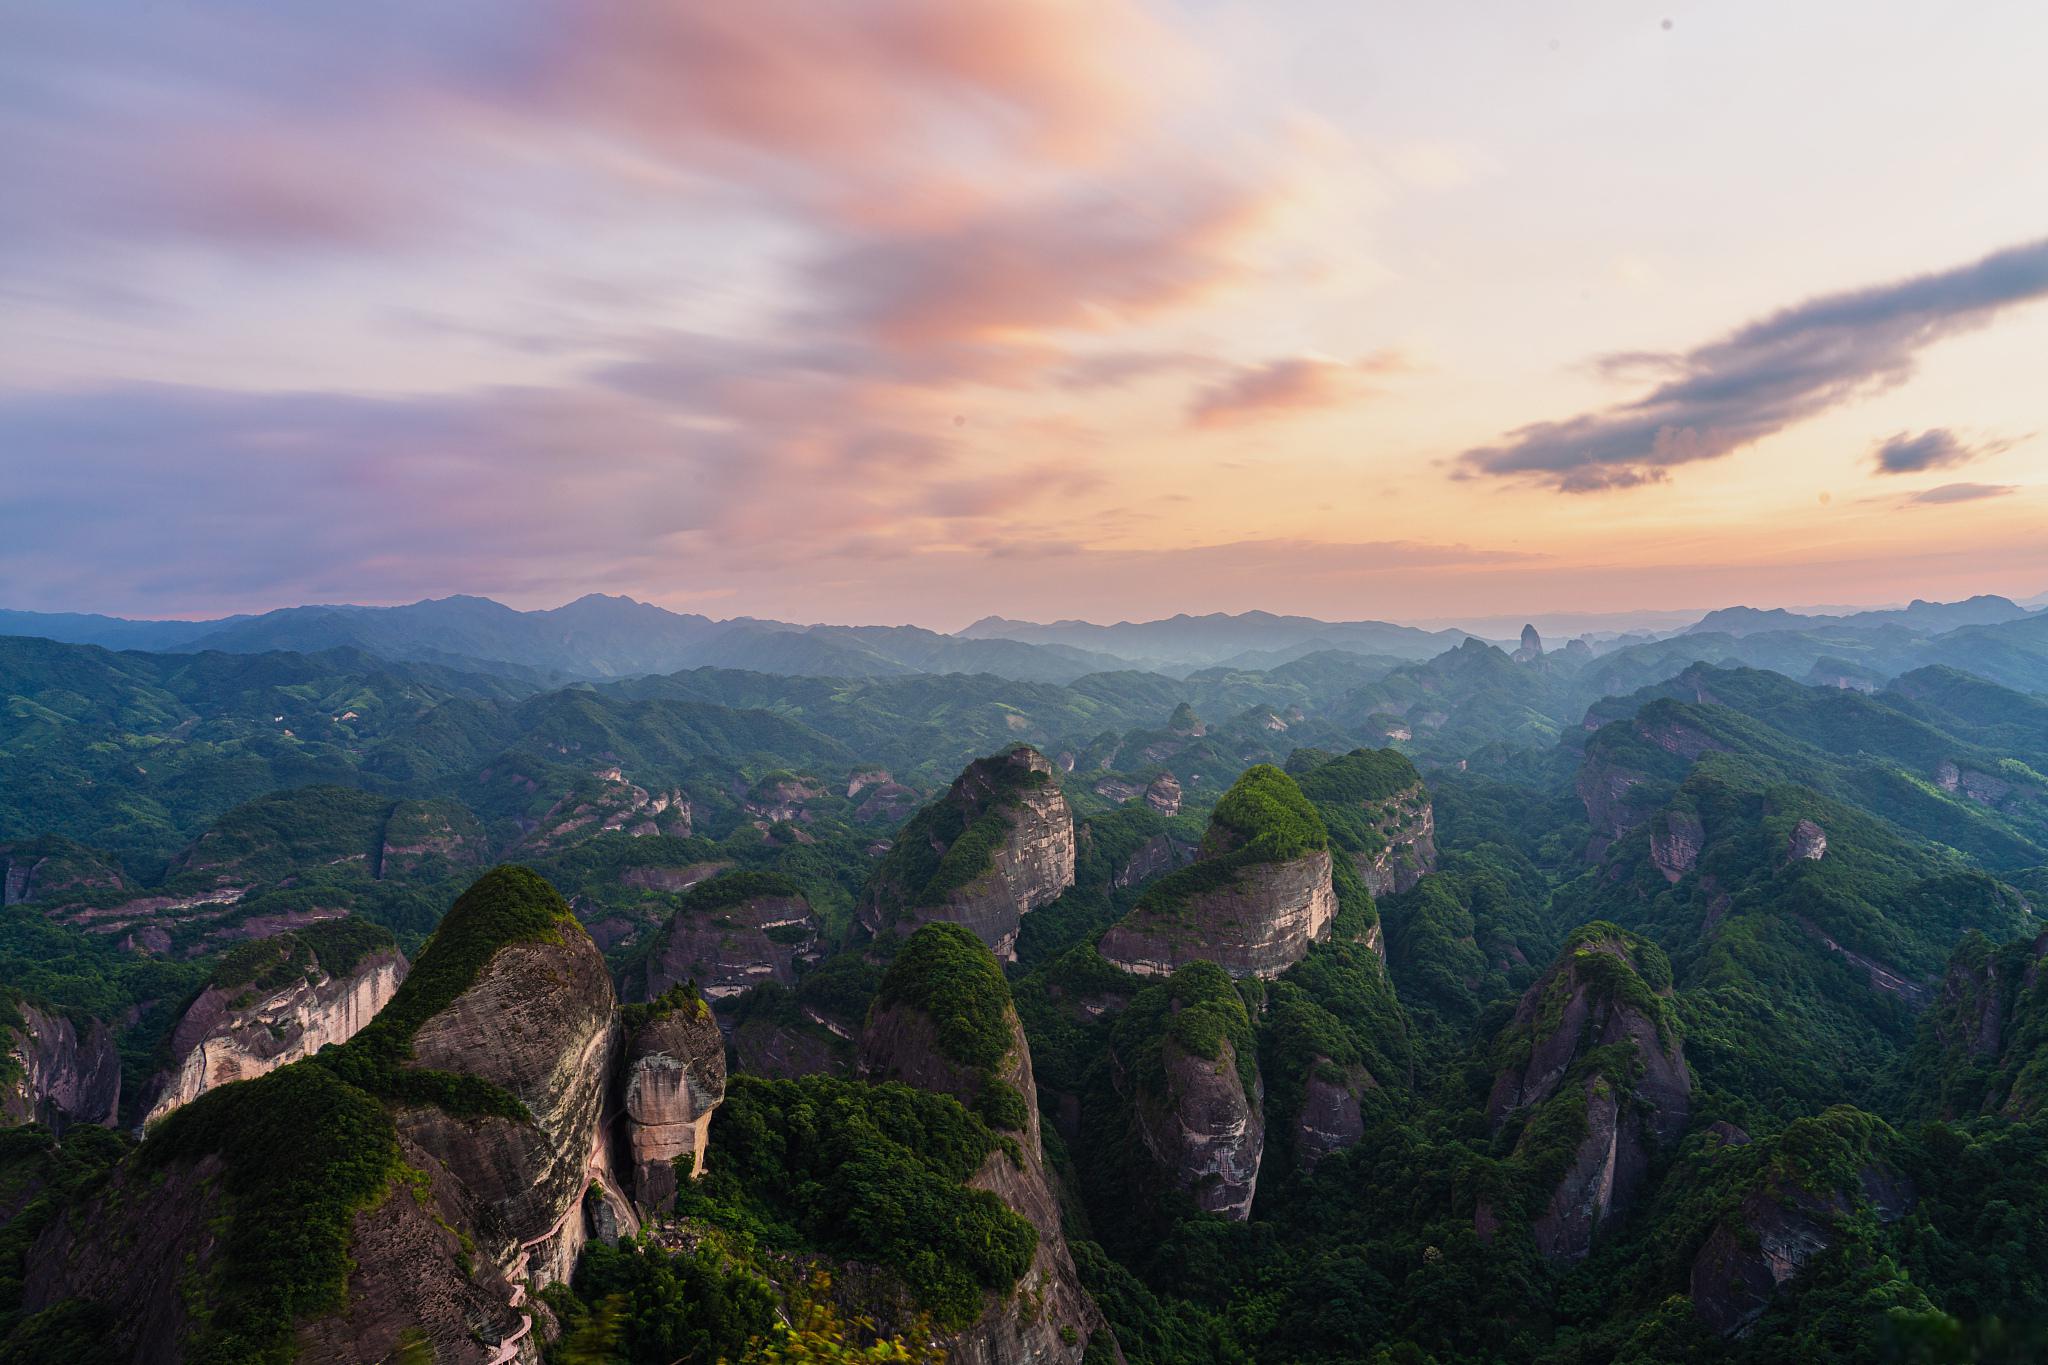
(924, 310)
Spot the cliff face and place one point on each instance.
(1594, 1031)
(1183, 1054)
(673, 1077)
(34, 869)
(732, 934)
(237, 1032)
(56, 1074)
(1259, 923)
(1252, 902)
(1407, 827)
(539, 1023)
(997, 846)
(981, 1058)
(1785, 1220)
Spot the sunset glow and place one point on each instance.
(920, 310)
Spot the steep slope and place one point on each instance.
(1258, 894)
(730, 934)
(998, 845)
(1379, 815)
(672, 1079)
(1184, 1056)
(273, 1001)
(55, 1070)
(943, 1021)
(1593, 1071)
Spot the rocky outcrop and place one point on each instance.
(1676, 838)
(1595, 1031)
(943, 1021)
(55, 1071)
(1183, 1055)
(733, 934)
(1164, 794)
(536, 1023)
(606, 802)
(998, 845)
(1786, 1220)
(1258, 894)
(241, 1029)
(1379, 815)
(1808, 843)
(1531, 648)
(1159, 854)
(1330, 1119)
(1406, 826)
(35, 869)
(673, 1078)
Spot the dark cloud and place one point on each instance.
(1961, 492)
(1764, 377)
(1938, 448)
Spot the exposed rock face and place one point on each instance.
(539, 1022)
(1185, 724)
(1676, 838)
(1008, 802)
(1778, 1228)
(1808, 842)
(674, 1077)
(1207, 1130)
(1531, 648)
(40, 868)
(1597, 996)
(735, 944)
(1158, 854)
(1164, 794)
(670, 878)
(1330, 1117)
(604, 803)
(1408, 825)
(1260, 923)
(60, 1078)
(1048, 1316)
(226, 1036)
(1252, 902)
(1604, 791)
(428, 838)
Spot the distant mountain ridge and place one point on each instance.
(1920, 616)
(1219, 637)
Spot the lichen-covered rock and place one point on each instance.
(673, 1078)
(54, 1071)
(943, 1021)
(998, 845)
(274, 1001)
(1597, 1033)
(1258, 894)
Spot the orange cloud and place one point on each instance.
(1276, 388)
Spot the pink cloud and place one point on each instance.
(1277, 388)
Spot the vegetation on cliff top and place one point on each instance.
(302, 1153)
(947, 973)
(336, 946)
(953, 841)
(873, 1172)
(506, 905)
(1263, 818)
(1199, 1009)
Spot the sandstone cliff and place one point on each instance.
(1184, 1056)
(1594, 1037)
(672, 1079)
(1379, 816)
(274, 1001)
(54, 1071)
(943, 1021)
(1800, 1189)
(1257, 895)
(998, 845)
(732, 934)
